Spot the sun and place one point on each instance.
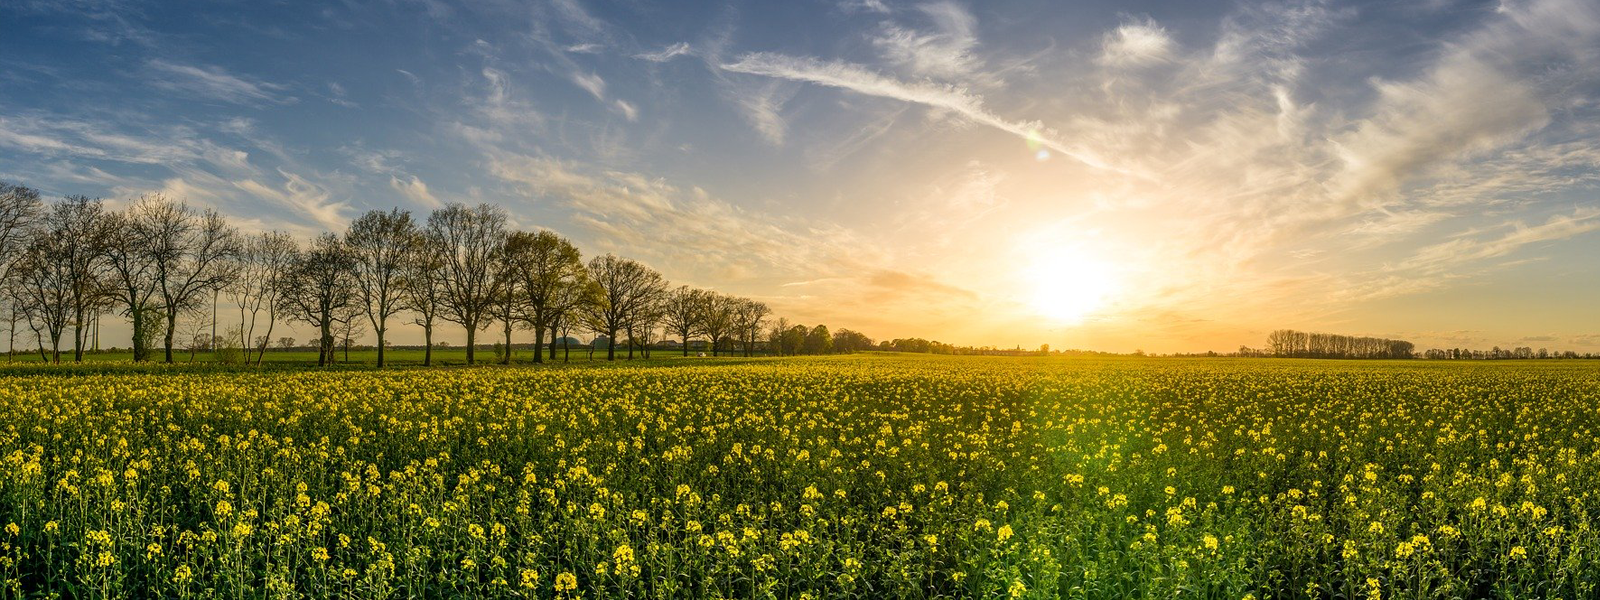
(1069, 285)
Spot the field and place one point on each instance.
(868, 476)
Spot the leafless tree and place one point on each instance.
(192, 254)
(716, 319)
(748, 317)
(508, 302)
(43, 288)
(131, 268)
(467, 239)
(379, 242)
(681, 313)
(79, 224)
(622, 285)
(318, 288)
(262, 263)
(422, 276)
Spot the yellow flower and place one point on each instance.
(1017, 589)
(566, 581)
(530, 578)
(1004, 533)
(1518, 553)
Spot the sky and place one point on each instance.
(1165, 176)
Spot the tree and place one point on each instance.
(190, 253)
(286, 342)
(79, 224)
(508, 299)
(818, 341)
(546, 267)
(422, 276)
(748, 316)
(716, 319)
(131, 268)
(467, 239)
(681, 313)
(643, 320)
(622, 284)
(44, 289)
(19, 208)
(261, 264)
(379, 240)
(318, 288)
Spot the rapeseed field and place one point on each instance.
(844, 477)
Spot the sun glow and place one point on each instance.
(1069, 285)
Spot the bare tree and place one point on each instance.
(508, 301)
(262, 263)
(191, 254)
(622, 285)
(318, 288)
(131, 269)
(716, 319)
(422, 276)
(379, 242)
(467, 239)
(19, 208)
(78, 223)
(546, 266)
(681, 313)
(748, 317)
(44, 289)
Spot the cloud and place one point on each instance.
(416, 191)
(215, 83)
(590, 82)
(946, 53)
(665, 54)
(860, 80)
(629, 111)
(871, 6)
(762, 108)
(1136, 43)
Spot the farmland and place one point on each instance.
(863, 476)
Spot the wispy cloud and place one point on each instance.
(945, 53)
(665, 54)
(861, 80)
(215, 83)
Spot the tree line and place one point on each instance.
(65, 264)
(1300, 344)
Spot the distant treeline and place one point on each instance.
(1498, 353)
(1301, 344)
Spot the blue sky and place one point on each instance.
(1157, 175)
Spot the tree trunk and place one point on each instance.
(538, 341)
(77, 338)
(427, 345)
(325, 343)
(380, 348)
(685, 334)
(611, 345)
(472, 336)
(172, 328)
(630, 343)
(506, 360)
(140, 353)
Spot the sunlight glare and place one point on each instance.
(1069, 285)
